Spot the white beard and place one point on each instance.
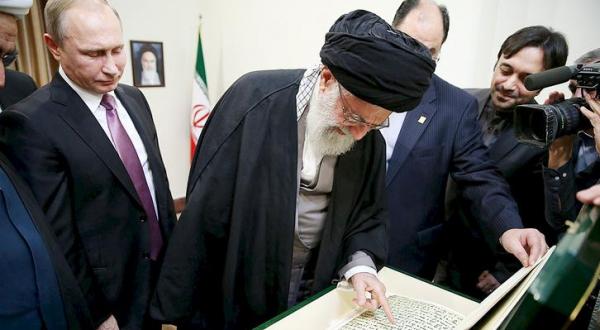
(322, 125)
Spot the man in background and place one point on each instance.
(573, 160)
(87, 147)
(474, 269)
(38, 289)
(14, 85)
(438, 139)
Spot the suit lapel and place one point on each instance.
(506, 142)
(135, 112)
(503, 146)
(482, 95)
(133, 109)
(77, 115)
(411, 130)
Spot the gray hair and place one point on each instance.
(589, 57)
(53, 15)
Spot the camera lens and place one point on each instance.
(540, 125)
(537, 124)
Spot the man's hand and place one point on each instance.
(487, 282)
(593, 115)
(109, 324)
(561, 149)
(365, 282)
(527, 245)
(590, 195)
(555, 97)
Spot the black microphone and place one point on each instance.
(550, 77)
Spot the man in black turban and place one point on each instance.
(285, 194)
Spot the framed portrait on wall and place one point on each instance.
(147, 62)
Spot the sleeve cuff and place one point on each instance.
(358, 260)
(359, 269)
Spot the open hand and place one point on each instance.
(593, 115)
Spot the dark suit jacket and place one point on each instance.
(77, 176)
(448, 142)
(69, 303)
(18, 86)
(521, 166)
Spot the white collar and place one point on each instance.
(91, 99)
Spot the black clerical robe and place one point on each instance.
(230, 254)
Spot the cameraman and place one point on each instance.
(573, 160)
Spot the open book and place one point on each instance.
(416, 304)
(548, 295)
(414, 313)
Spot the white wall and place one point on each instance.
(478, 28)
(175, 24)
(260, 34)
(244, 35)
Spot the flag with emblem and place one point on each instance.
(200, 105)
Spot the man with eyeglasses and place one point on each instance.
(14, 85)
(440, 139)
(285, 194)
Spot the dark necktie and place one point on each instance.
(132, 164)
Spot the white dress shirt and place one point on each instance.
(92, 100)
(390, 134)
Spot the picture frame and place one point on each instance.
(147, 63)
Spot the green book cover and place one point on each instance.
(567, 279)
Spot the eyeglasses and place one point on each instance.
(352, 118)
(9, 58)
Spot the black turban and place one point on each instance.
(376, 62)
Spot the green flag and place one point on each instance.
(200, 105)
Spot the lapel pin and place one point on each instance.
(422, 119)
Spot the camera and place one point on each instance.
(539, 124)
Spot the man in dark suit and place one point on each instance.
(38, 288)
(17, 86)
(527, 51)
(439, 138)
(88, 148)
